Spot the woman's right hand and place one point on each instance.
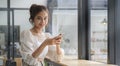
(53, 41)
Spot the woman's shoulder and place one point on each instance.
(25, 33)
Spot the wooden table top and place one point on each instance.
(74, 62)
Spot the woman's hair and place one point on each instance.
(34, 10)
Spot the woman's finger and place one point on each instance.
(58, 42)
(58, 37)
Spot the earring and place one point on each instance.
(33, 23)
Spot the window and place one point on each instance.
(99, 30)
(65, 21)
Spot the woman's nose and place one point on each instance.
(42, 21)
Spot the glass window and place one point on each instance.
(98, 4)
(65, 21)
(3, 32)
(99, 30)
(26, 3)
(3, 17)
(67, 3)
(3, 3)
(21, 18)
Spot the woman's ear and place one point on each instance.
(31, 21)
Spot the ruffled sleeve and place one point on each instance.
(52, 54)
(26, 49)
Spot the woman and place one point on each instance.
(36, 44)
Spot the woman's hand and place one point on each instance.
(54, 41)
(58, 39)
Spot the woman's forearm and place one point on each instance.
(39, 50)
(58, 49)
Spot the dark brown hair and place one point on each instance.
(34, 10)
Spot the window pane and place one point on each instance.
(67, 3)
(65, 21)
(26, 3)
(3, 17)
(22, 19)
(99, 23)
(3, 3)
(98, 4)
(3, 32)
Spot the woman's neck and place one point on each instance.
(36, 30)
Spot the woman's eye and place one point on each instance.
(45, 18)
(39, 18)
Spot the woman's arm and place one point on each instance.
(50, 41)
(58, 49)
(39, 50)
(55, 52)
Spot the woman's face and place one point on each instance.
(41, 20)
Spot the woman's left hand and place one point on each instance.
(58, 39)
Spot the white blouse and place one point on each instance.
(30, 42)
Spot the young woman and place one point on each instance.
(36, 44)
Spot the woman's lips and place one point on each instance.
(41, 24)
